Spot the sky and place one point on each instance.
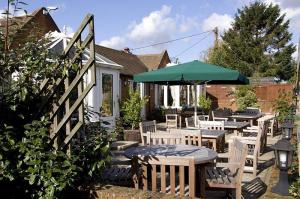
(138, 23)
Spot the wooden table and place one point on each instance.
(214, 136)
(174, 156)
(236, 126)
(246, 116)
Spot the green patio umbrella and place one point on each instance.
(194, 73)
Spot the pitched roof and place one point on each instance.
(38, 23)
(154, 61)
(131, 63)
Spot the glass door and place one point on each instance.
(109, 90)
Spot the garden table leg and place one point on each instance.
(202, 180)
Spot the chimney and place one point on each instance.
(127, 50)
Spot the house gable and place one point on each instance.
(32, 26)
(155, 61)
(131, 63)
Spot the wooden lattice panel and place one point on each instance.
(66, 96)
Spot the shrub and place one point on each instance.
(282, 105)
(205, 103)
(29, 165)
(245, 97)
(131, 109)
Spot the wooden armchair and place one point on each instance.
(253, 110)
(190, 123)
(230, 176)
(145, 127)
(166, 175)
(162, 137)
(171, 120)
(273, 127)
(217, 116)
(214, 125)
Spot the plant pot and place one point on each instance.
(132, 135)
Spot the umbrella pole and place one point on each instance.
(195, 104)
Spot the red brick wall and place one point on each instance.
(266, 94)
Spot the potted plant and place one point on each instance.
(131, 112)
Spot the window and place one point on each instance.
(107, 89)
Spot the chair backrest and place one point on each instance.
(212, 125)
(145, 127)
(191, 137)
(203, 117)
(171, 120)
(260, 134)
(237, 157)
(167, 166)
(161, 137)
(253, 110)
(190, 122)
(219, 115)
(171, 111)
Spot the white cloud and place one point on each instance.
(188, 23)
(155, 27)
(158, 26)
(223, 22)
(114, 42)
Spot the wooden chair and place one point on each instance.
(217, 117)
(190, 123)
(253, 110)
(273, 126)
(145, 127)
(230, 176)
(214, 125)
(203, 117)
(255, 140)
(160, 172)
(162, 137)
(171, 120)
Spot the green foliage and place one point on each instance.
(204, 103)
(119, 129)
(39, 167)
(282, 105)
(294, 178)
(217, 55)
(28, 163)
(258, 42)
(92, 155)
(131, 109)
(245, 97)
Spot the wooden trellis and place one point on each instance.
(66, 95)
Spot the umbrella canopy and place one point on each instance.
(191, 73)
(195, 72)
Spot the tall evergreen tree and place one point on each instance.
(258, 43)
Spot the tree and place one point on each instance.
(258, 42)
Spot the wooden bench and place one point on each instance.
(230, 176)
